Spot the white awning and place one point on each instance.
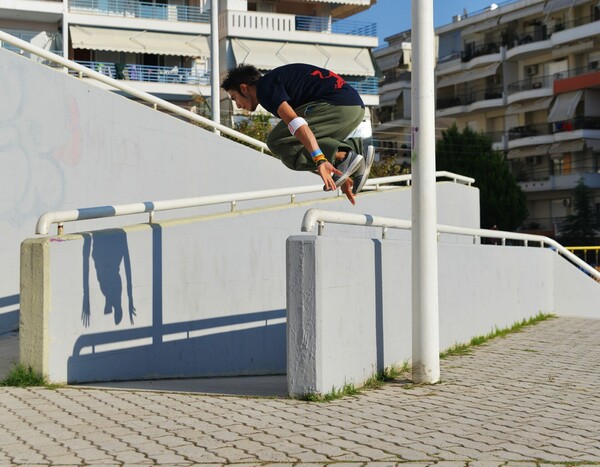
(471, 75)
(452, 79)
(556, 5)
(530, 106)
(481, 26)
(522, 13)
(564, 106)
(391, 61)
(390, 97)
(127, 40)
(566, 147)
(266, 55)
(483, 72)
(529, 151)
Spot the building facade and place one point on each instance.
(163, 46)
(524, 72)
(391, 121)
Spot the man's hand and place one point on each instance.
(347, 190)
(325, 170)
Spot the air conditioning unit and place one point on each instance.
(531, 70)
(593, 65)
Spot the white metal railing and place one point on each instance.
(150, 207)
(318, 217)
(144, 96)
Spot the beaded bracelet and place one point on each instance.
(318, 157)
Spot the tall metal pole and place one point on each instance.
(215, 91)
(425, 318)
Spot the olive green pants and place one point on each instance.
(331, 125)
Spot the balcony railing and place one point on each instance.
(477, 49)
(369, 85)
(335, 26)
(146, 73)
(54, 42)
(394, 76)
(593, 67)
(259, 22)
(470, 97)
(527, 131)
(576, 23)
(577, 123)
(535, 82)
(145, 10)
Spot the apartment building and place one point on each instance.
(391, 120)
(526, 73)
(271, 33)
(163, 46)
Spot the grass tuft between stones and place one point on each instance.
(391, 373)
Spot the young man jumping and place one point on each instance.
(318, 110)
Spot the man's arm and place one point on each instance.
(308, 140)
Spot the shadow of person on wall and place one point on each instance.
(108, 252)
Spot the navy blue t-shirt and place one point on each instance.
(299, 84)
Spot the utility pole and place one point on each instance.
(215, 91)
(425, 313)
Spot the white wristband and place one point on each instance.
(295, 124)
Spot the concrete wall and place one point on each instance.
(194, 297)
(66, 144)
(349, 316)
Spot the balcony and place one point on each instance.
(577, 123)
(148, 74)
(535, 82)
(368, 85)
(142, 10)
(52, 42)
(478, 49)
(396, 76)
(287, 27)
(470, 97)
(578, 78)
(528, 131)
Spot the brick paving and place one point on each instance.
(529, 399)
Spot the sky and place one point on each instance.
(393, 16)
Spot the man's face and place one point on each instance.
(244, 99)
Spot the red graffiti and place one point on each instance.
(339, 81)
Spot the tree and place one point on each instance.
(581, 227)
(502, 202)
(388, 166)
(256, 126)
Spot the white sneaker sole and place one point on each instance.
(353, 168)
(368, 163)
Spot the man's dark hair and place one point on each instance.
(242, 74)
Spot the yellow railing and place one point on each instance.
(589, 254)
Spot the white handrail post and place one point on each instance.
(425, 313)
(214, 63)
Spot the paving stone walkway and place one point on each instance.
(531, 398)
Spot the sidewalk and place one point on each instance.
(531, 398)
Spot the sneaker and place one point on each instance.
(350, 164)
(360, 177)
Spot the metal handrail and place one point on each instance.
(318, 217)
(157, 102)
(60, 217)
